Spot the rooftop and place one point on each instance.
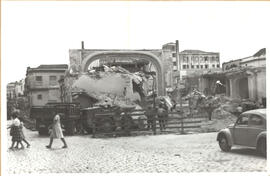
(260, 52)
(196, 52)
(46, 68)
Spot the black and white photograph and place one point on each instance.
(129, 87)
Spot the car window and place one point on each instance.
(255, 120)
(242, 120)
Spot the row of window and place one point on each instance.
(51, 78)
(200, 58)
(199, 66)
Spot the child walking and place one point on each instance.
(15, 134)
(22, 134)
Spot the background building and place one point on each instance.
(257, 60)
(19, 88)
(179, 67)
(11, 90)
(41, 83)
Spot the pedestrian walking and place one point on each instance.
(56, 131)
(15, 134)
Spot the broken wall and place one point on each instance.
(106, 83)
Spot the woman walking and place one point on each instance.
(56, 131)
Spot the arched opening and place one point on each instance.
(124, 55)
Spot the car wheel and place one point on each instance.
(261, 148)
(223, 144)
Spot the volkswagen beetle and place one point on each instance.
(249, 130)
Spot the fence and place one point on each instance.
(141, 120)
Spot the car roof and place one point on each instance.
(261, 112)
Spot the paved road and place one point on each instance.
(161, 153)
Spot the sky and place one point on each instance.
(35, 33)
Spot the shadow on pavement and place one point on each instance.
(246, 151)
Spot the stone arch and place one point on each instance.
(141, 54)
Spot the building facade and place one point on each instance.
(41, 84)
(19, 88)
(196, 61)
(180, 65)
(11, 90)
(256, 60)
(248, 79)
(242, 78)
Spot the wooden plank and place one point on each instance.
(183, 126)
(105, 114)
(138, 114)
(169, 123)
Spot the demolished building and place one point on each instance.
(98, 85)
(238, 82)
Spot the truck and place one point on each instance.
(75, 119)
(43, 115)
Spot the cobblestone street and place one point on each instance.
(161, 153)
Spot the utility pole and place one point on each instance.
(178, 60)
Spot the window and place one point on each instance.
(52, 78)
(205, 58)
(213, 65)
(187, 66)
(38, 78)
(39, 97)
(217, 65)
(255, 120)
(242, 120)
(198, 66)
(174, 64)
(184, 66)
(173, 54)
(192, 66)
(201, 66)
(206, 66)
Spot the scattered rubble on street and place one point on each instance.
(160, 153)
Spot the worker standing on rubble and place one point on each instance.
(56, 131)
(150, 114)
(162, 114)
(239, 110)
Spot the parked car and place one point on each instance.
(249, 130)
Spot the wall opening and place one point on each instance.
(243, 88)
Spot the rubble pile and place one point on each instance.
(225, 110)
(112, 85)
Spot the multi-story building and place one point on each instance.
(170, 64)
(41, 83)
(19, 88)
(11, 90)
(186, 63)
(196, 61)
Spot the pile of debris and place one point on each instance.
(223, 109)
